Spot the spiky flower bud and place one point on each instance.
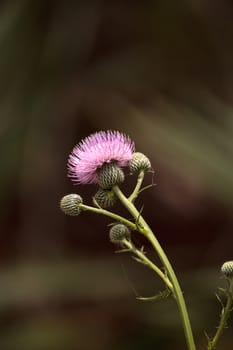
(109, 175)
(105, 198)
(227, 269)
(119, 232)
(69, 204)
(139, 162)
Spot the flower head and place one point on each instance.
(94, 151)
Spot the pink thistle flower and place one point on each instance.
(94, 151)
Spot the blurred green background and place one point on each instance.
(160, 71)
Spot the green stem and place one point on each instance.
(109, 214)
(135, 192)
(176, 287)
(128, 244)
(224, 316)
(148, 263)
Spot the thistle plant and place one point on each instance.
(102, 159)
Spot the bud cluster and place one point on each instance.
(101, 159)
(110, 174)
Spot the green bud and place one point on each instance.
(105, 198)
(139, 162)
(110, 175)
(69, 204)
(227, 269)
(119, 232)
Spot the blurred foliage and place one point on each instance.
(160, 71)
(52, 305)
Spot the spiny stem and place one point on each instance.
(149, 263)
(176, 287)
(224, 316)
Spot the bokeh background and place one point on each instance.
(160, 71)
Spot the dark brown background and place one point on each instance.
(160, 71)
